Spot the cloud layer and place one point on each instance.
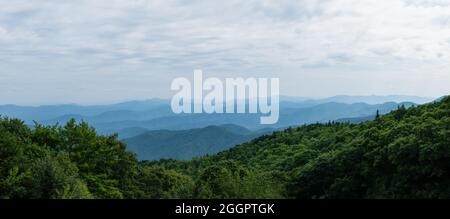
(91, 51)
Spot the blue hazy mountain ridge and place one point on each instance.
(131, 132)
(138, 116)
(153, 131)
(356, 120)
(189, 143)
(113, 116)
(372, 99)
(186, 144)
(288, 117)
(51, 112)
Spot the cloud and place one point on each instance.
(119, 44)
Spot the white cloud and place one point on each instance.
(128, 44)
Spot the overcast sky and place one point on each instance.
(102, 51)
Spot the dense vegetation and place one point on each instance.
(133, 118)
(404, 154)
(186, 144)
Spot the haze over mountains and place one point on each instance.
(373, 99)
(157, 108)
(153, 131)
(186, 144)
(156, 113)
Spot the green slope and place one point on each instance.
(186, 144)
(404, 154)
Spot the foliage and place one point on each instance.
(404, 154)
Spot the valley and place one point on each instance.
(153, 132)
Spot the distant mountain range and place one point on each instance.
(132, 118)
(373, 99)
(186, 144)
(53, 112)
(288, 117)
(153, 131)
(193, 142)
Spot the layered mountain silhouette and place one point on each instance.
(153, 131)
(186, 144)
(288, 117)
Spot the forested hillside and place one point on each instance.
(186, 144)
(404, 154)
(133, 118)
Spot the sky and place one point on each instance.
(104, 51)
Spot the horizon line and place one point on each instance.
(304, 98)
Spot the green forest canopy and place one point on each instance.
(404, 154)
